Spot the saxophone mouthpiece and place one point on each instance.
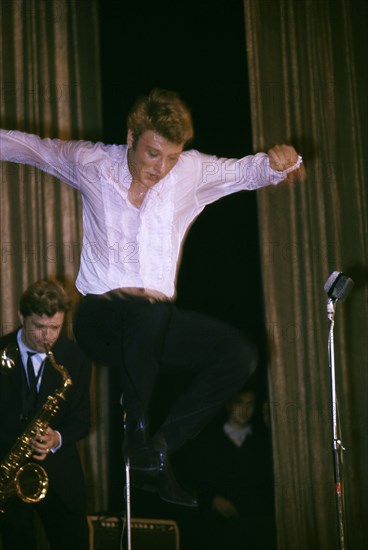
(47, 347)
(62, 370)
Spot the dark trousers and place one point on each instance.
(145, 339)
(255, 531)
(64, 529)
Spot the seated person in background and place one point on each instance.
(235, 480)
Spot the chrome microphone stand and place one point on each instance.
(127, 494)
(338, 447)
(337, 287)
(127, 503)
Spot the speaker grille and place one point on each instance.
(106, 533)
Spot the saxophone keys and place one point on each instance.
(6, 361)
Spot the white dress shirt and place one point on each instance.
(125, 246)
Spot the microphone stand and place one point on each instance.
(127, 489)
(338, 447)
(127, 498)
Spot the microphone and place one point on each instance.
(338, 286)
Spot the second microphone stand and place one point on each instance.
(338, 447)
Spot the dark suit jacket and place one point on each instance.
(72, 420)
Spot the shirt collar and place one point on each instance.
(237, 435)
(37, 358)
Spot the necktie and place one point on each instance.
(31, 379)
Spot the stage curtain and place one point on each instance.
(307, 62)
(49, 78)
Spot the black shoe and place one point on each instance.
(163, 483)
(139, 449)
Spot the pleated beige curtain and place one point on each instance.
(308, 80)
(49, 74)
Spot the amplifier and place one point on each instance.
(108, 532)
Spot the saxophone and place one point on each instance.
(27, 480)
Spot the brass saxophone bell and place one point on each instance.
(6, 361)
(31, 482)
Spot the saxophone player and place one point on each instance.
(24, 388)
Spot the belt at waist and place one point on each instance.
(131, 293)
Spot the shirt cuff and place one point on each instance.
(294, 166)
(277, 176)
(54, 449)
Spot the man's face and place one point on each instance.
(40, 329)
(242, 408)
(152, 157)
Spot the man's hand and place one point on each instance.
(283, 157)
(224, 507)
(42, 444)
